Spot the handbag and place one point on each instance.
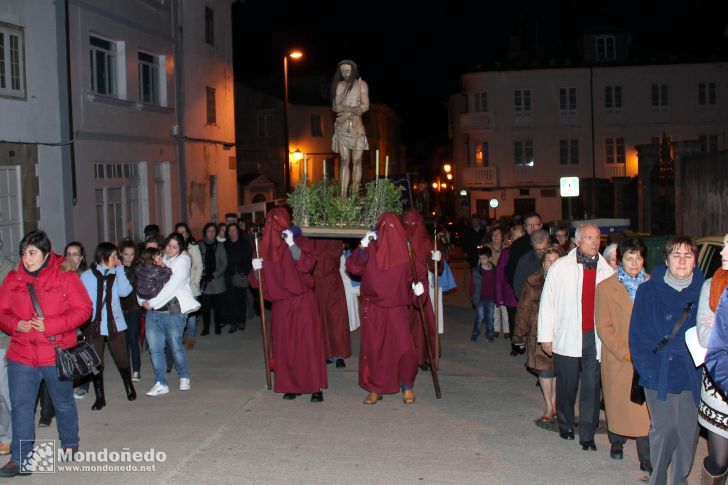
(637, 392)
(72, 363)
(240, 280)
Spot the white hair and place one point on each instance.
(610, 250)
(581, 227)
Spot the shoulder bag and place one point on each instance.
(73, 363)
(637, 393)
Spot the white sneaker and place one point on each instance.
(184, 383)
(134, 377)
(158, 390)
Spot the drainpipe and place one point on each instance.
(179, 105)
(69, 101)
(593, 146)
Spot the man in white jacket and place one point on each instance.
(566, 328)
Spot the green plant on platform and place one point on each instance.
(382, 196)
(304, 200)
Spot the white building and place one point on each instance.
(515, 133)
(144, 134)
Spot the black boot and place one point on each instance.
(128, 386)
(100, 402)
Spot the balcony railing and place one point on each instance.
(480, 177)
(615, 170)
(479, 120)
(523, 174)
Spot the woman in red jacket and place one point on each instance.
(31, 356)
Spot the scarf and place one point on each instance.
(210, 263)
(675, 283)
(719, 283)
(589, 263)
(631, 283)
(101, 281)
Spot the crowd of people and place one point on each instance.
(601, 326)
(594, 325)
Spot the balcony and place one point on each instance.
(615, 170)
(475, 177)
(567, 117)
(524, 174)
(614, 116)
(479, 120)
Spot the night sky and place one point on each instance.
(412, 56)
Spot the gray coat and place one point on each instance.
(217, 285)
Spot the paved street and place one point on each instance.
(230, 429)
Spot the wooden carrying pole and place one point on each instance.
(437, 309)
(426, 330)
(263, 325)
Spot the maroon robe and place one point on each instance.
(297, 339)
(387, 355)
(331, 298)
(422, 247)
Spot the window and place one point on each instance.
(660, 96)
(264, 125)
(613, 97)
(707, 94)
(567, 99)
(614, 150)
(149, 78)
(481, 101)
(708, 143)
(522, 101)
(569, 152)
(605, 48)
(481, 154)
(523, 152)
(103, 66)
(118, 201)
(12, 67)
(209, 26)
(211, 113)
(316, 127)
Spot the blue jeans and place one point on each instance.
(191, 327)
(163, 328)
(484, 312)
(24, 381)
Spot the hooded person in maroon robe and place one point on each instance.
(387, 358)
(422, 247)
(331, 299)
(297, 339)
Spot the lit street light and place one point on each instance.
(295, 55)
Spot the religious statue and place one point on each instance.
(349, 100)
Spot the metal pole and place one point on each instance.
(286, 168)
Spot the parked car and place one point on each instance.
(709, 249)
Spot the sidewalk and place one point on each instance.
(230, 430)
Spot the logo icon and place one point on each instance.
(40, 456)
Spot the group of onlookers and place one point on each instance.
(594, 323)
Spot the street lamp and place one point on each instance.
(494, 204)
(295, 55)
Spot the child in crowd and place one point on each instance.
(483, 294)
(151, 273)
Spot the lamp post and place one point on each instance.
(295, 55)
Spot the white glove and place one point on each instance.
(288, 237)
(257, 264)
(436, 256)
(418, 288)
(368, 237)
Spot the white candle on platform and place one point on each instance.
(305, 167)
(324, 169)
(386, 166)
(376, 170)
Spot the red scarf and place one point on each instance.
(391, 241)
(417, 234)
(720, 281)
(271, 245)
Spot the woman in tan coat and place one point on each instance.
(612, 312)
(526, 328)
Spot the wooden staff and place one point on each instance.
(426, 330)
(437, 309)
(263, 326)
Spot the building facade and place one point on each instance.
(126, 115)
(516, 133)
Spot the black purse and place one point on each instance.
(76, 362)
(637, 393)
